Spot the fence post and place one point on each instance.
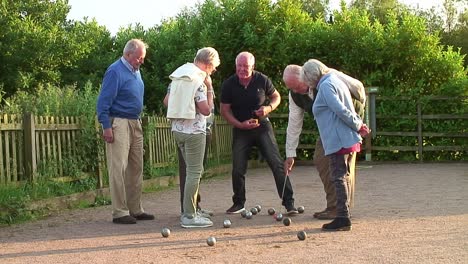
(420, 140)
(370, 120)
(214, 140)
(29, 128)
(144, 126)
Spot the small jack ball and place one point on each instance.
(165, 232)
(300, 209)
(243, 213)
(227, 223)
(271, 211)
(287, 221)
(254, 211)
(302, 235)
(211, 241)
(279, 217)
(259, 208)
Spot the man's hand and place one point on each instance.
(108, 135)
(249, 124)
(208, 82)
(288, 165)
(263, 111)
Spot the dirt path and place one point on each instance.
(411, 213)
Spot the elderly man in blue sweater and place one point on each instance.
(119, 106)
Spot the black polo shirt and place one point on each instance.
(244, 101)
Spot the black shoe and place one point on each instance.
(338, 224)
(144, 216)
(291, 210)
(124, 220)
(235, 209)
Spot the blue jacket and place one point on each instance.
(334, 113)
(121, 94)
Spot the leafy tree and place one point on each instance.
(378, 9)
(31, 40)
(316, 8)
(92, 49)
(40, 46)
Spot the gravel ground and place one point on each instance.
(404, 213)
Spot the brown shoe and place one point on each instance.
(124, 220)
(144, 216)
(316, 214)
(327, 215)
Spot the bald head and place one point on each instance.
(245, 62)
(292, 80)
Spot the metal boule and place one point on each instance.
(302, 235)
(300, 209)
(165, 232)
(227, 223)
(271, 211)
(211, 241)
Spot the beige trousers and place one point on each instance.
(125, 167)
(322, 163)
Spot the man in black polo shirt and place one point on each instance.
(247, 98)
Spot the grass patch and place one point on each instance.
(14, 199)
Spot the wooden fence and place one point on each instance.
(160, 148)
(30, 144)
(455, 141)
(29, 141)
(376, 119)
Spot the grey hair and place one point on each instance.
(292, 70)
(249, 55)
(312, 71)
(207, 55)
(134, 44)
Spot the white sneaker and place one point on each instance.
(205, 213)
(195, 222)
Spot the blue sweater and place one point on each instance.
(121, 94)
(334, 113)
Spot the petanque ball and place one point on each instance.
(279, 217)
(259, 208)
(248, 215)
(271, 211)
(287, 221)
(254, 210)
(227, 223)
(300, 209)
(211, 241)
(243, 213)
(302, 235)
(165, 232)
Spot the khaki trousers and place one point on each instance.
(125, 167)
(322, 164)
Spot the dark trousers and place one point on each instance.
(339, 167)
(263, 137)
(183, 172)
(322, 163)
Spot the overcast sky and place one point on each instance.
(120, 13)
